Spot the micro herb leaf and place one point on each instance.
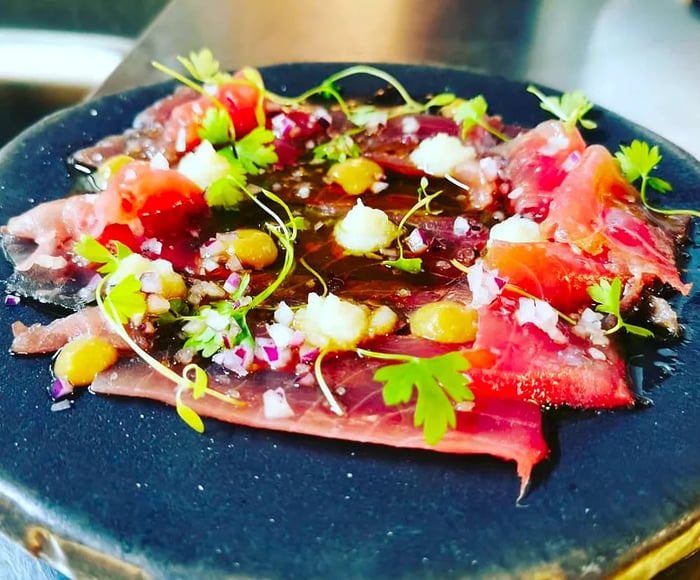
(92, 250)
(438, 382)
(178, 309)
(256, 151)
(607, 296)
(216, 127)
(200, 381)
(127, 299)
(227, 192)
(187, 414)
(204, 67)
(363, 115)
(410, 265)
(571, 108)
(339, 149)
(473, 112)
(440, 100)
(637, 161)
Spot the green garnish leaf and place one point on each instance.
(339, 149)
(439, 383)
(255, 151)
(441, 100)
(189, 415)
(410, 265)
(200, 382)
(473, 112)
(204, 67)
(637, 161)
(362, 115)
(93, 251)
(127, 299)
(571, 108)
(607, 296)
(216, 127)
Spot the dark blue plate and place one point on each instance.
(127, 480)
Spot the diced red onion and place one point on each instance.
(571, 161)
(272, 353)
(12, 300)
(151, 283)
(461, 226)
(282, 125)
(416, 241)
(152, 245)
(93, 283)
(275, 405)
(308, 354)
(60, 388)
(232, 282)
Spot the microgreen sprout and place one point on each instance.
(637, 161)
(315, 274)
(323, 385)
(571, 108)
(411, 265)
(607, 296)
(439, 383)
(124, 301)
(473, 112)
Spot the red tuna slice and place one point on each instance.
(552, 271)
(537, 163)
(39, 338)
(597, 210)
(510, 430)
(529, 365)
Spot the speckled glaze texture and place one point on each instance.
(129, 479)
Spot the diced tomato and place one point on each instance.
(151, 202)
(241, 99)
(119, 233)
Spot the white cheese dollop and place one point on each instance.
(332, 323)
(516, 229)
(440, 154)
(364, 229)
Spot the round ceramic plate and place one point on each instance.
(126, 481)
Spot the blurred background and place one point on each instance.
(54, 53)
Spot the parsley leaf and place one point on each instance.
(473, 112)
(127, 299)
(607, 295)
(637, 161)
(255, 151)
(92, 250)
(216, 127)
(204, 67)
(410, 265)
(439, 383)
(571, 108)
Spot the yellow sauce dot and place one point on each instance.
(254, 248)
(445, 321)
(355, 176)
(81, 359)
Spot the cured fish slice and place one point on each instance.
(598, 211)
(552, 271)
(39, 338)
(510, 430)
(537, 162)
(529, 365)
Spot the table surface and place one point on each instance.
(638, 59)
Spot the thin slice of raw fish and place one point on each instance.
(506, 429)
(529, 365)
(38, 338)
(598, 211)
